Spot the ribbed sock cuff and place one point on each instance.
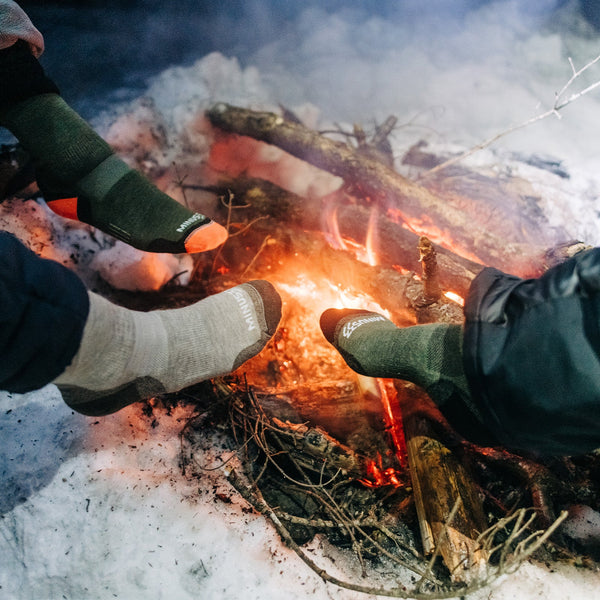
(22, 76)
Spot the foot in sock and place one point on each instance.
(82, 177)
(126, 356)
(428, 355)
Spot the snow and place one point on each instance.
(99, 508)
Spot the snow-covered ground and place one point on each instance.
(99, 508)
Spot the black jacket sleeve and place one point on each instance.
(532, 356)
(44, 307)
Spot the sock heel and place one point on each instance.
(64, 207)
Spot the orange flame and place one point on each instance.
(423, 226)
(307, 358)
(371, 256)
(391, 406)
(365, 253)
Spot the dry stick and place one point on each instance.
(432, 290)
(324, 497)
(320, 493)
(229, 205)
(367, 522)
(524, 549)
(258, 252)
(356, 524)
(438, 546)
(558, 105)
(508, 563)
(253, 497)
(328, 502)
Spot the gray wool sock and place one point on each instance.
(126, 355)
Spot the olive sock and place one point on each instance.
(81, 176)
(126, 356)
(428, 355)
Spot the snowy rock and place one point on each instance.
(126, 268)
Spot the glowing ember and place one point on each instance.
(379, 477)
(300, 348)
(455, 298)
(302, 367)
(393, 419)
(424, 227)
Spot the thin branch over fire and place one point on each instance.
(559, 103)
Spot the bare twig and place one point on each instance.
(558, 105)
(262, 444)
(258, 252)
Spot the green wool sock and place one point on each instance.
(83, 179)
(126, 356)
(427, 355)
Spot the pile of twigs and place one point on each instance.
(308, 484)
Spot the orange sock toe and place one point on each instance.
(205, 238)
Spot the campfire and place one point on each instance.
(372, 464)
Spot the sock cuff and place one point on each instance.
(22, 75)
(60, 142)
(107, 337)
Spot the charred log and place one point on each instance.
(379, 183)
(394, 245)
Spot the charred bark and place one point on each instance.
(393, 244)
(380, 184)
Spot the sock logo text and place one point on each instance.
(245, 309)
(349, 328)
(195, 217)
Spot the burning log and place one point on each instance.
(392, 244)
(376, 181)
(398, 246)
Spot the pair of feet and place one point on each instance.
(126, 356)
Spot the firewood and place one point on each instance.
(393, 245)
(379, 183)
(440, 482)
